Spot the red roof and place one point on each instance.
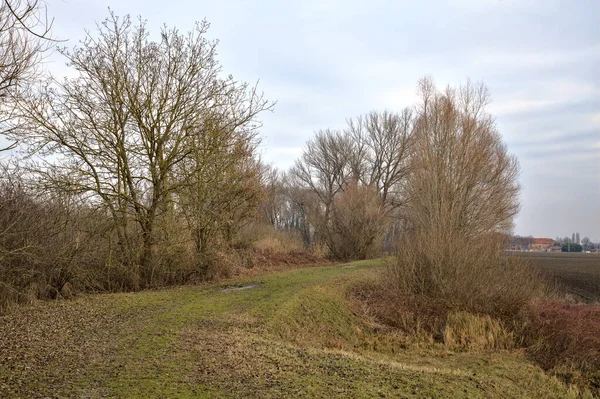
(543, 241)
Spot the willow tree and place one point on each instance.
(461, 197)
(119, 130)
(463, 182)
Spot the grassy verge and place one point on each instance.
(292, 335)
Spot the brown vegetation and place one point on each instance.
(430, 321)
(563, 338)
(48, 245)
(470, 275)
(460, 196)
(352, 182)
(141, 170)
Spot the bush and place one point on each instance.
(358, 224)
(47, 246)
(467, 275)
(459, 201)
(564, 338)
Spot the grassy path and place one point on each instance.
(292, 335)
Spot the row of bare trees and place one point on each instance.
(149, 143)
(149, 138)
(355, 177)
(437, 168)
(436, 180)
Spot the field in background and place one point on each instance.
(578, 274)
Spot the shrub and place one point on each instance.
(47, 245)
(469, 275)
(564, 338)
(358, 224)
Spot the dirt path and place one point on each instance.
(289, 334)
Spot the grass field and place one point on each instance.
(289, 334)
(577, 273)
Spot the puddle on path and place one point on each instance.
(240, 288)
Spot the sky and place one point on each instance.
(326, 61)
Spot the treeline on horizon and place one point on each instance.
(564, 244)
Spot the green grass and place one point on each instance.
(294, 335)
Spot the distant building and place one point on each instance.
(544, 245)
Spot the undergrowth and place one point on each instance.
(562, 338)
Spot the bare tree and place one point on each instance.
(324, 166)
(461, 198)
(273, 205)
(382, 143)
(121, 131)
(324, 169)
(586, 243)
(298, 207)
(463, 180)
(24, 37)
(221, 189)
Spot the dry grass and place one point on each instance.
(264, 262)
(201, 342)
(467, 331)
(561, 337)
(427, 322)
(270, 239)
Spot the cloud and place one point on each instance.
(325, 61)
(525, 61)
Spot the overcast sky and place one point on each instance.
(324, 61)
